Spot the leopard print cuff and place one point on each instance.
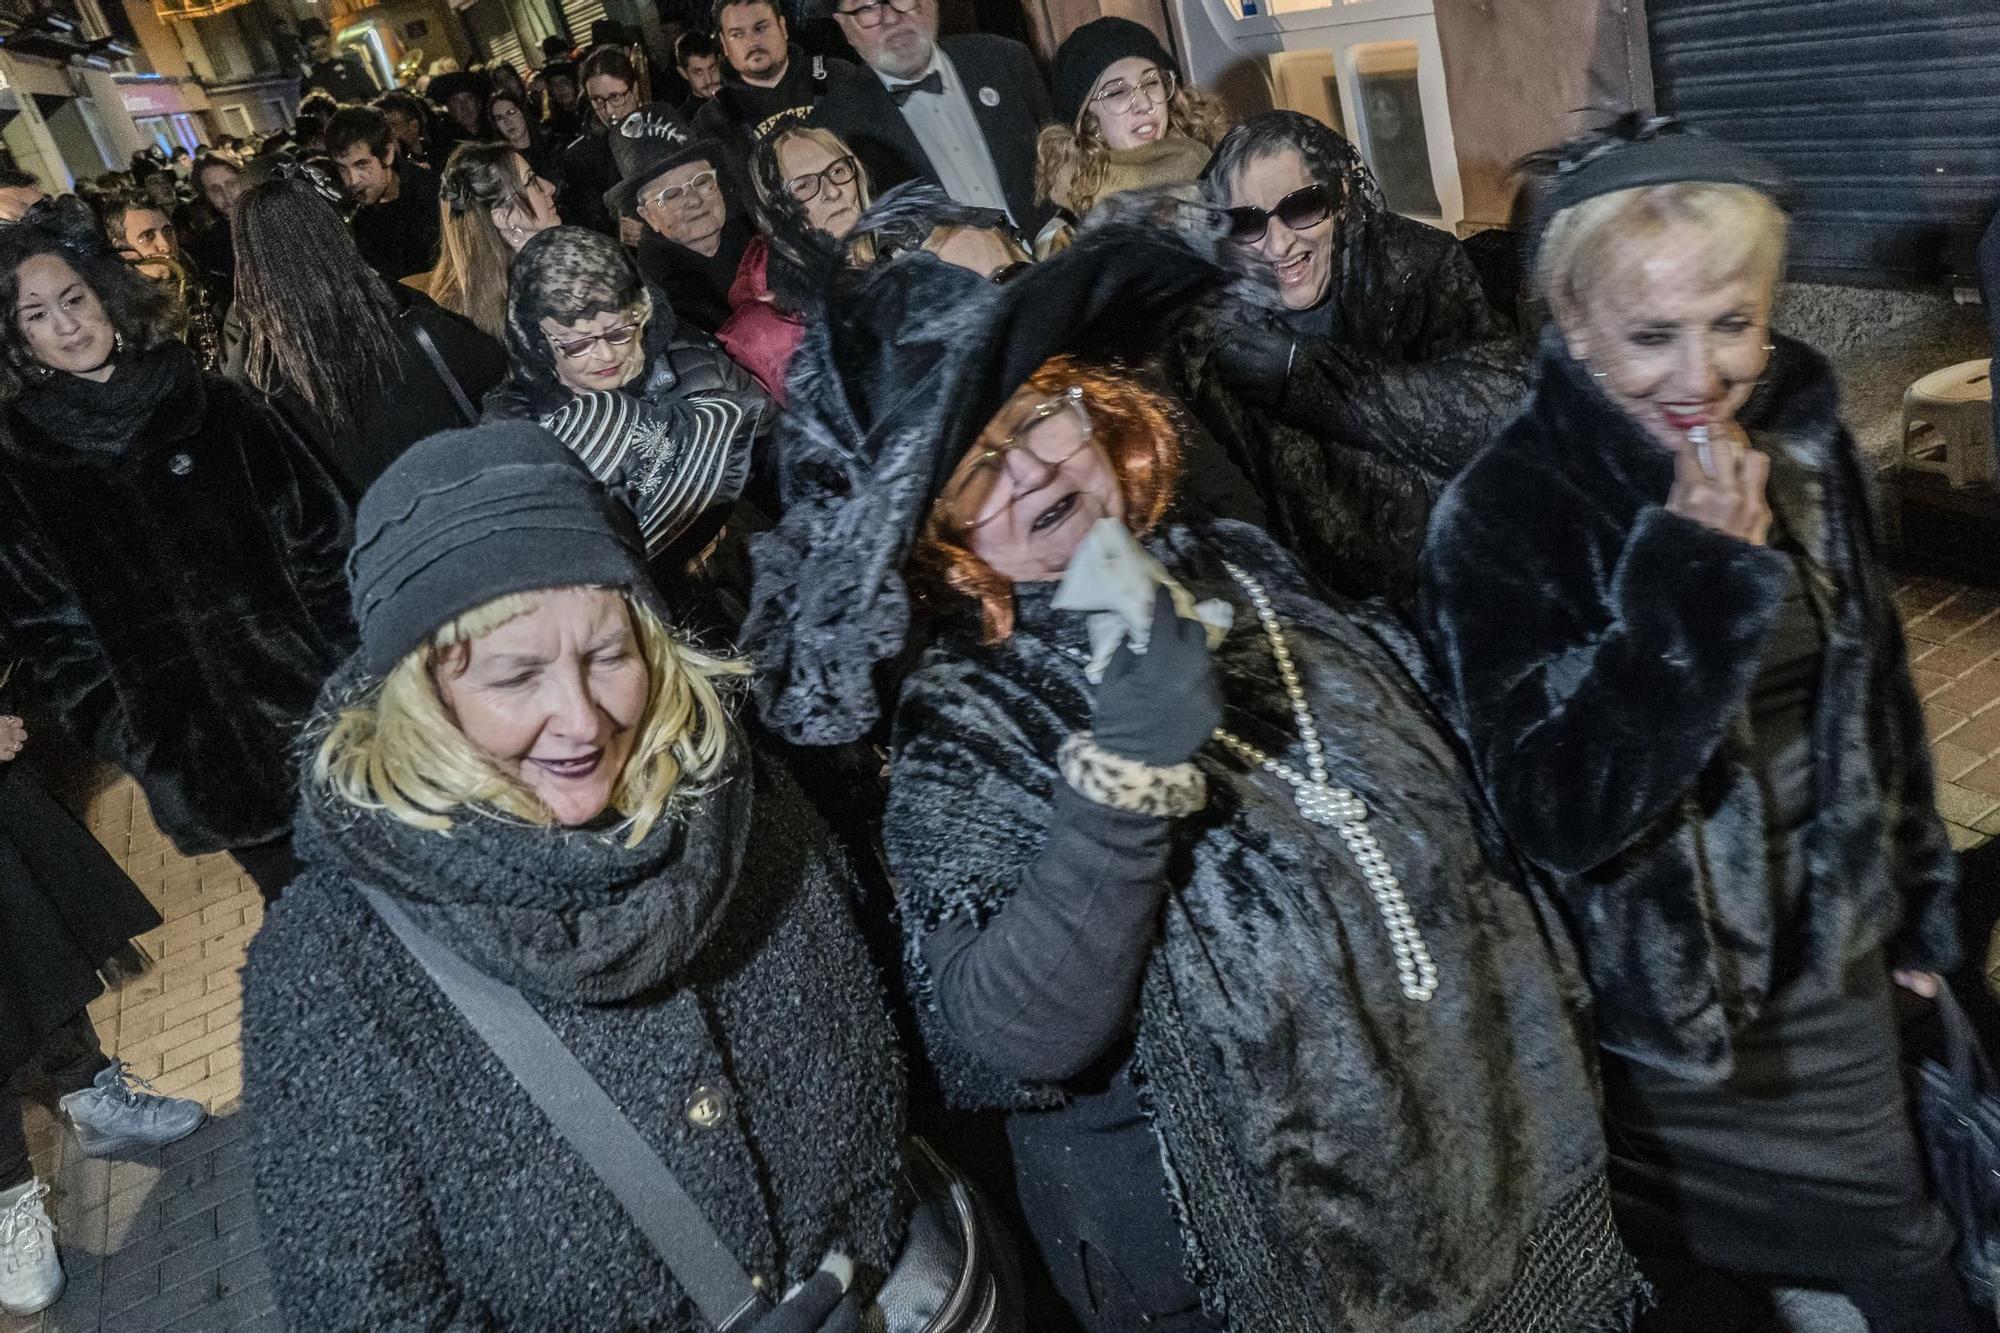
(1126, 784)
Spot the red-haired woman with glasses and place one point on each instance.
(651, 407)
(1384, 372)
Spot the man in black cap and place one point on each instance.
(695, 235)
(341, 73)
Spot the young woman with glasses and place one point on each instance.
(650, 405)
(1124, 122)
(1379, 376)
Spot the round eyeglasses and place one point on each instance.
(1154, 88)
(805, 187)
(977, 496)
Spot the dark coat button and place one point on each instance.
(180, 465)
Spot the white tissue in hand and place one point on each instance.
(1111, 578)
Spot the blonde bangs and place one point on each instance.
(398, 750)
(1743, 234)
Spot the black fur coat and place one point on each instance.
(1374, 421)
(170, 579)
(1601, 651)
(1340, 1156)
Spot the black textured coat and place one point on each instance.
(1340, 1156)
(1374, 421)
(405, 1179)
(175, 596)
(1601, 652)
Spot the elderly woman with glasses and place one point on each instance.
(810, 193)
(652, 408)
(1384, 372)
(1212, 933)
(1124, 121)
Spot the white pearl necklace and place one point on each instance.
(1337, 808)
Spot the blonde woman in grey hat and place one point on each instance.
(1656, 603)
(528, 786)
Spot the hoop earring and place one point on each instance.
(117, 344)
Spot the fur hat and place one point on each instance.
(887, 392)
(1093, 48)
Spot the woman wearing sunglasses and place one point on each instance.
(651, 407)
(1124, 122)
(1379, 377)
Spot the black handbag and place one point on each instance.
(1958, 1121)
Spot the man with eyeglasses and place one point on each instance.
(767, 80)
(694, 235)
(962, 112)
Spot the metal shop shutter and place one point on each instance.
(1885, 113)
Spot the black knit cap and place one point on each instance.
(468, 516)
(1086, 53)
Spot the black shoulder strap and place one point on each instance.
(436, 358)
(586, 1116)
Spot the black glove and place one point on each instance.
(820, 1306)
(1253, 355)
(1159, 708)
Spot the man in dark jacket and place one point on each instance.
(767, 80)
(396, 223)
(962, 112)
(341, 74)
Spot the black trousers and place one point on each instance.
(270, 866)
(1803, 1165)
(68, 1060)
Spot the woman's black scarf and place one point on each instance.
(570, 914)
(106, 418)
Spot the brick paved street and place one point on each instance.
(169, 1242)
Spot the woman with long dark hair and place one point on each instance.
(491, 200)
(513, 126)
(170, 546)
(375, 366)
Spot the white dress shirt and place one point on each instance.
(950, 136)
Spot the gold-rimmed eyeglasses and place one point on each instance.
(580, 348)
(977, 496)
(1154, 88)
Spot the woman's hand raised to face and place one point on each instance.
(1720, 485)
(1160, 707)
(13, 735)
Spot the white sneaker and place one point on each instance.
(120, 1112)
(31, 1276)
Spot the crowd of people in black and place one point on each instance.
(905, 696)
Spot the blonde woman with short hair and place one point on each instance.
(1658, 613)
(531, 769)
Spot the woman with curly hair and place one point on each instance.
(170, 546)
(1126, 122)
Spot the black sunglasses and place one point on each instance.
(1302, 208)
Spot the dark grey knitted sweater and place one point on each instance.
(405, 1180)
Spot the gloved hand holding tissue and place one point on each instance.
(1112, 579)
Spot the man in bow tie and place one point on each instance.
(962, 112)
